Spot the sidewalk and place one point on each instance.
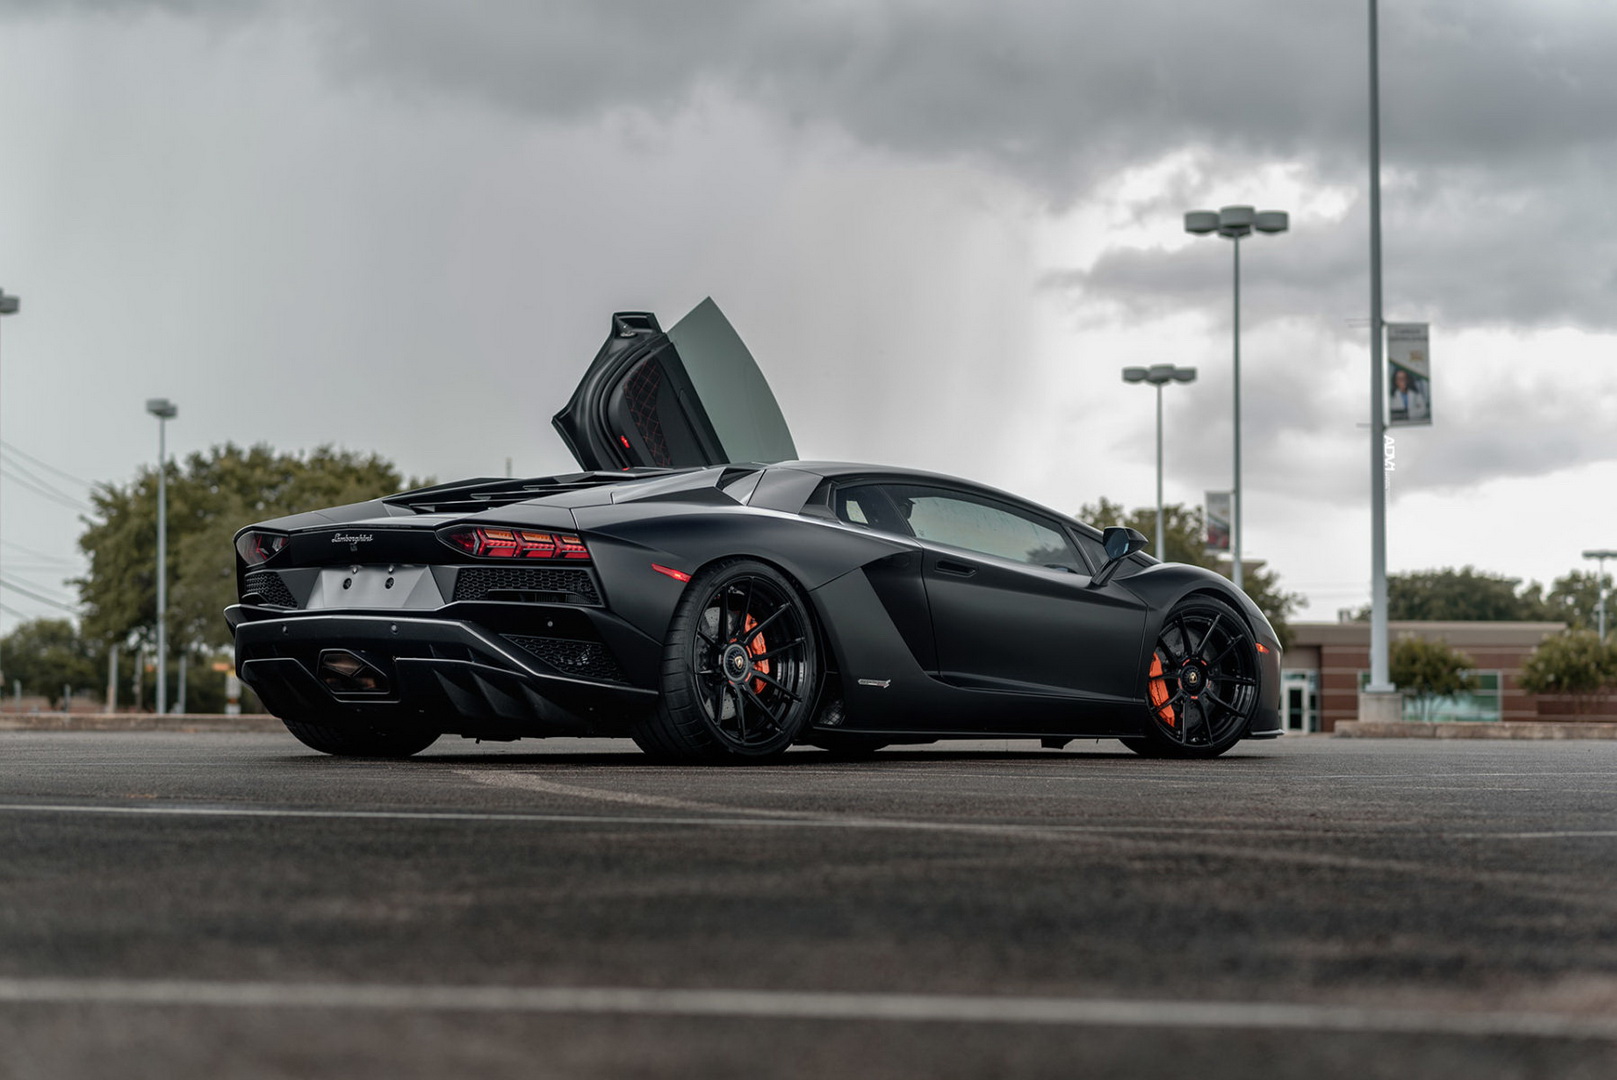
(1510, 729)
(55, 721)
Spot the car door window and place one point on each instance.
(982, 525)
(867, 505)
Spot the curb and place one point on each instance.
(1470, 729)
(188, 723)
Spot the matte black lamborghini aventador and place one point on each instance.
(700, 591)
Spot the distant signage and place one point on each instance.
(1409, 374)
(1218, 521)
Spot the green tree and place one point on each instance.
(1464, 595)
(1429, 670)
(1184, 531)
(1574, 663)
(1574, 598)
(47, 654)
(210, 496)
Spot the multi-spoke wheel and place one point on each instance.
(740, 669)
(1202, 681)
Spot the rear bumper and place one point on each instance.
(439, 674)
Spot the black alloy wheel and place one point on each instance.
(741, 668)
(358, 740)
(1201, 682)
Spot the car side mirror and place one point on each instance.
(1119, 543)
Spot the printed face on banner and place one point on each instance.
(1409, 374)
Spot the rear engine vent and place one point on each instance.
(268, 584)
(585, 659)
(532, 585)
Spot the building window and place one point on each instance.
(1480, 703)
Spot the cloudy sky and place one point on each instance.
(943, 227)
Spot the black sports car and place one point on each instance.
(703, 593)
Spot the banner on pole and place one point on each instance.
(1409, 374)
(1218, 521)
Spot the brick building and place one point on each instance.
(1327, 662)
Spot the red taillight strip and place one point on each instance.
(257, 548)
(484, 542)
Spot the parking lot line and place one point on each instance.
(804, 1005)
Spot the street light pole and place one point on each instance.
(9, 305)
(1380, 666)
(1233, 223)
(165, 410)
(1159, 375)
(1600, 558)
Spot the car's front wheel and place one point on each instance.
(1201, 682)
(358, 740)
(741, 668)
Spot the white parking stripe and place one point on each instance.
(805, 1005)
(741, 817)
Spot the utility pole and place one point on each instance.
(9, 305)
(1379, 701)
(1600, 558)
(165, 410)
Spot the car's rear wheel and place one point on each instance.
(1201, 682)
(351, 740)
(740, 668)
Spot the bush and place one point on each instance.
(1575, 664)
(1428, 670)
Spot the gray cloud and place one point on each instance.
(1050, 91)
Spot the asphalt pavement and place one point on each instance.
(206, 905)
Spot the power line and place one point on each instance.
(32, 584)
(36, 596)
(51, 493)
(35, 478)
(35, 552)
(9, 610)
(47, 466)
(39, 480)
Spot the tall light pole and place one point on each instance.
(1159, 375)
(1600, 558)
(1233, 223)
(1380, 666)
(165, 410)
(9, 305)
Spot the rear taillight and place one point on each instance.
(259, 547)
(487, 543)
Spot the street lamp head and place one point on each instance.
(1606, 554)
(1201, 222)
(1159, 374)
(9, 305)
(1272, 221)
(1235, 222)
(162, 408)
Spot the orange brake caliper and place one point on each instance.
(1158, 689)
(757, 648)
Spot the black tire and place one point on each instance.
(741, 667)
(1201, 682)
(357, 740)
